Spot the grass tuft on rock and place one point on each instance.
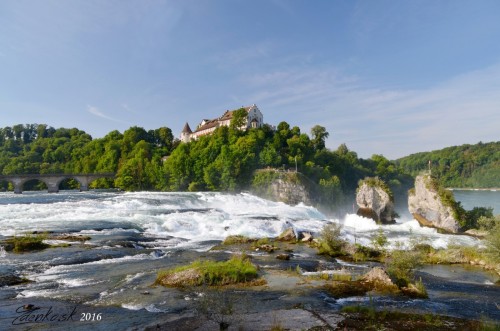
(237, 239)
(237, 270)
(345, 289)
(26, 243)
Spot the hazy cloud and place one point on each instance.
(95, 111)
(464, 109)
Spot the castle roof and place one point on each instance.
(207, 125)
(228, 115)
(187, 129)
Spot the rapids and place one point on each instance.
(133, 235)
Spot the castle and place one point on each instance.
(254, 119)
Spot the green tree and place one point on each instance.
(319, 135)
(239, 119)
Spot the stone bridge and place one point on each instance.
(53, 180)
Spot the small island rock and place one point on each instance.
(427, 206)
(374, 200)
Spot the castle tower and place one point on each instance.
(186, 133)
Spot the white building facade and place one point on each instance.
(254, 119)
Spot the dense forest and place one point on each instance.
(224, 161)
(475, 166)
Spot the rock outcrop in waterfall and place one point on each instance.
(288, 187)
(432, 205)
(375, 200)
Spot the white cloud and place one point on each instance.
(128, 109)
(95, 111)
(393, 122)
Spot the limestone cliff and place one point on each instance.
(375, 201)
(433, 206)
(281, 186)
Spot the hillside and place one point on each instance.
(223, 161)
(464, 166)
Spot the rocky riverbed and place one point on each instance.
(293, 296)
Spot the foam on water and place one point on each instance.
(191, 218)
(151, 308)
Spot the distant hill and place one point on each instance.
(464, 166)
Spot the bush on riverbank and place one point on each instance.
(237, 270)
(488, 258)
(330, 241)
(401, 265)
(493, 245)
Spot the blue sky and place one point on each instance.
(384, 77)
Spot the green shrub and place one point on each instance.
(454, 254)
(379, 241)
(331, 242)
(447, 199)
(419, 285)
(363, 253)
(262, 241)
(493, 243)
(487, 223)
(472, 216)
(401, 265)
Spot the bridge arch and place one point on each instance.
(68, 183)
(5, 185)
(34, 184)
(53, 180)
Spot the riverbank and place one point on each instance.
(292, 297)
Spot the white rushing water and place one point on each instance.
(104, 272)
(190, 218)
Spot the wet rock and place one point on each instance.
(305, 237)
(378, 277)
(476, 233)
(266, 248)
(413, 292)
(346, 289)
(30, 307)
(283, 256)
(120, 243)
(10, 280)
(70, 237)
(288, 235)
(181, 278)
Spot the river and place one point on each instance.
(133, 235)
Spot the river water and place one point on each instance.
(135, 234)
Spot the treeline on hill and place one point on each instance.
(223, 161)
(40, 149)
(463, 166)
